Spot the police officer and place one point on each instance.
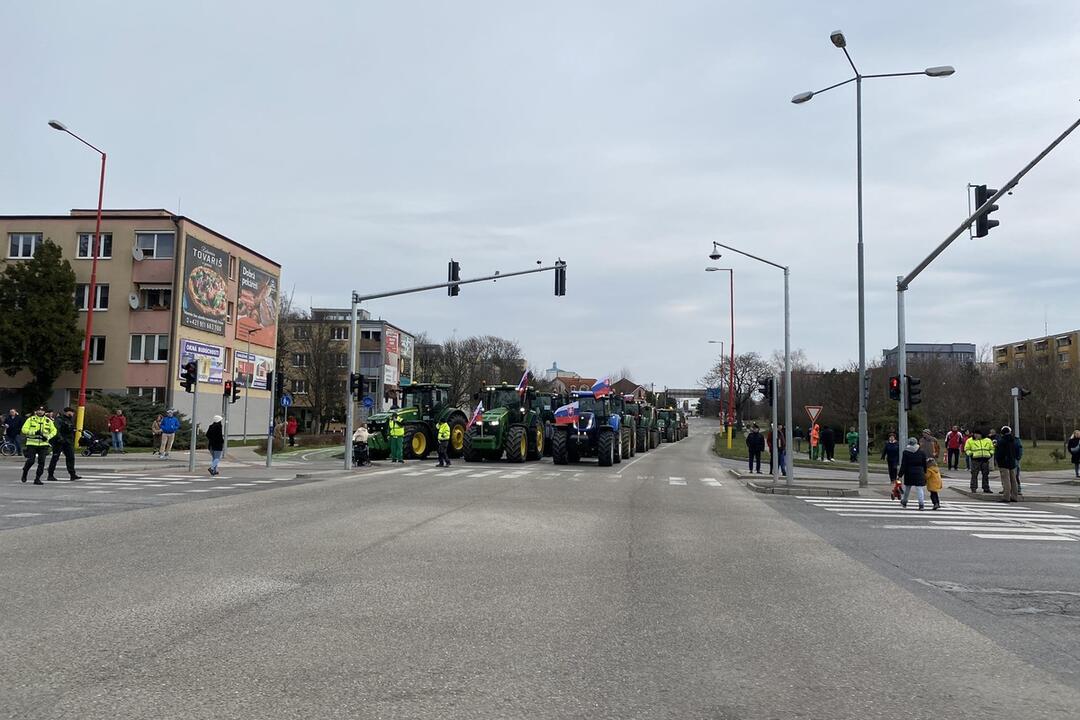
(39, 430)
(980, 449)
(64, 442)
(397, 439)
(443, 429)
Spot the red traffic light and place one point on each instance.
(228, 388)
(894, 387)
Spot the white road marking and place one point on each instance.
(712, 482)
(101, 492)
(990, 536)
(22, 515)
(236, 485)
(200, 490)
(676, 481)
(170, 493)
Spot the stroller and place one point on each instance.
(360, 454)
(94, 444)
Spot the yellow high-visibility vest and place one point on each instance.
(396, 428)
(444, 431)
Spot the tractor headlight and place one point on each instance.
(493, 423)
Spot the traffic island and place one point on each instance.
(1040, 494)
(760, 486)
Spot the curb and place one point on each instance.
(993, 497)
(811, 490)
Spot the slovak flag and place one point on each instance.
(602, 387)
(476, 415)
(567, 414)
(523, 384)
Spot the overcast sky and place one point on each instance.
(362, 144)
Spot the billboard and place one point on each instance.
(257, 305)
(204, 305)
(253, 368)
(209, 358)
(406, 362)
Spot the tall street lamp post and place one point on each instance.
(721, 344)
(839, 41)
(731, 361)
(92, 290)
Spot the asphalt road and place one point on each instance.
(659, 588)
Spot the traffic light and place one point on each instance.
(765, 387)
(894, 387)
(226, 390)
(984, 223)
(356, 386)
(913, 392)
(560, 278)
(453, 274)
(190, 376)
(234, 392)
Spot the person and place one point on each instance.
(891, 455)
(64, 443)
(781, 454)
(993, 441)
(1005, 457)
(155, 432)
(117, 426)
(815, 441)
(215, 442)
(360, 446)
(852, 440)
(966, 435)
(290, 430)
(397, 439)
(954, 441)
(828, 443)
(1019, 457)
(1073, 446)
(929, 445)
(39, 430)
(797, 436)
(443, 429)
(933, 482)
(913, 471)
(13, 429)
(755, 443)
(979, 449)
(169, 427)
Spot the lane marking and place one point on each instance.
(993, 536)
(676, 481)
(23, 515)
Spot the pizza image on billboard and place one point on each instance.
(207, 291)
(205, 300)
(257, 305)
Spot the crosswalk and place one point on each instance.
(166, 484)
(979, 519)
(542, 472)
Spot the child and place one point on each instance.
(933, 482)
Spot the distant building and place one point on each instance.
(570, 384)
(628, 387)
(556, 372)
(1062, 349)
(955, 352)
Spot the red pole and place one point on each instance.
(94, 243)
(731, 361)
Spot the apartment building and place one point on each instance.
(169, 290)
(916, 352)
(1062, 350)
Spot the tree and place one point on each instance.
(39, 328)
(323, 370)
(469, 363)
(749, 368)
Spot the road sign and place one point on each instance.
(286, 400)
(813, 411)
(369, 402)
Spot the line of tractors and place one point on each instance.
(518, 426)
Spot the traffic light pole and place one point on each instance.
(559, 267)
(194, 425)
(226, 401)
(775, 380)
(901, 366)
(271, 386)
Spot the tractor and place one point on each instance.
(644, 425)
(593, 432)
(627, 425)
(546, 404)
(669, 425)
(424, 405)
(684, 425)
(510, 425)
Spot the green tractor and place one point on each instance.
(510, 426)
(668, 422)
(646, 432)
(423, 406)
(627, 425)
(546, 404)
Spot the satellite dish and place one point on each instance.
(137, 253)
(133, 301)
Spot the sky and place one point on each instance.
(364, 144)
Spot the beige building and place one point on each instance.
(169, 290)
(1062, 350)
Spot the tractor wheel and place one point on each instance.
(619, 441)
(457, 438)
(536, 442)
(605, 448)
(574, 450)
(631, 440)
(417, 444)
(517, 444)
(549, 436)
(654, 436)
(641, 442)
(467, 451)
(560, 441)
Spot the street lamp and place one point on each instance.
(838, 39)
(790, 469)
(94, 243)
(715, 255)
(721, 344)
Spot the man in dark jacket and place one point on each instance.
(215, 443)
(1005, 457)
(64, 442)
(828, 442)
(755, 443)
(12, 427)
(913, 471)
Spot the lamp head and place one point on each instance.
(940, 71)
(837, 38)
(712, 269)
(714, 255)
(802, 97)
(57, 125)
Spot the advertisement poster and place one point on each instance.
(392, 349)
(257, 305)
(210, 359)
(204, 306)
(390, 375)
(253, 368)
(406, 363)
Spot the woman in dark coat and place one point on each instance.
(215, 441)
(913, 471)
(891, 455)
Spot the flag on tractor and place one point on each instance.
(476, 415)
(602, 387)
(523, 384)
(567, 414)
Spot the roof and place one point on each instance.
(625, 386)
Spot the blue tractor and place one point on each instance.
(592, 430)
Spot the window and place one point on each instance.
(1003, 351)
(232, 267)
(104, 249)
(299, 387)
(1064, 341)
(101, 296)
(156, 394)
(300, 360)
(97, 348)
(302, 332)
(1019, 363)
(339, 333)
(1020, 348)
(156, 245)
(229, 312)
(1042, 360)
(155, 299)
(370, 335)
(23, 245)
(1040, 345)
(1063, 358)
(1003, 365)
(343, 360)
(149, 348)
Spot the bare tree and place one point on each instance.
(323, 368)
(749, 368)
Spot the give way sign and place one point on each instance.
(813, 411)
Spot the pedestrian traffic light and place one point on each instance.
(190, 376)
(984, 223)
(234, 392)
(356, 386)
(560, 278)
(765, 387)
(227, 389)
(453, 274)
(894, 387)
(913, 392)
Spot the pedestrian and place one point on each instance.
(828, 443)
(1019, 457)
(39, 431)
(993, 435)
(360, 438)
(755, 444)
(967, 458)
(781, 454)
(815, 441)
(852, 440)
(117, 426)
(170, 424)
(933, 482)
(929, 445)
(13, 429)
(891, 455)
(979, 449)
(1073, 446)
(290, 430)
(954, 442)
(443, 429)
(397, 439)
(64, 443)
(215, 443)
(913, 471)
(155, 432)
(1005, 457)
(797, 436)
